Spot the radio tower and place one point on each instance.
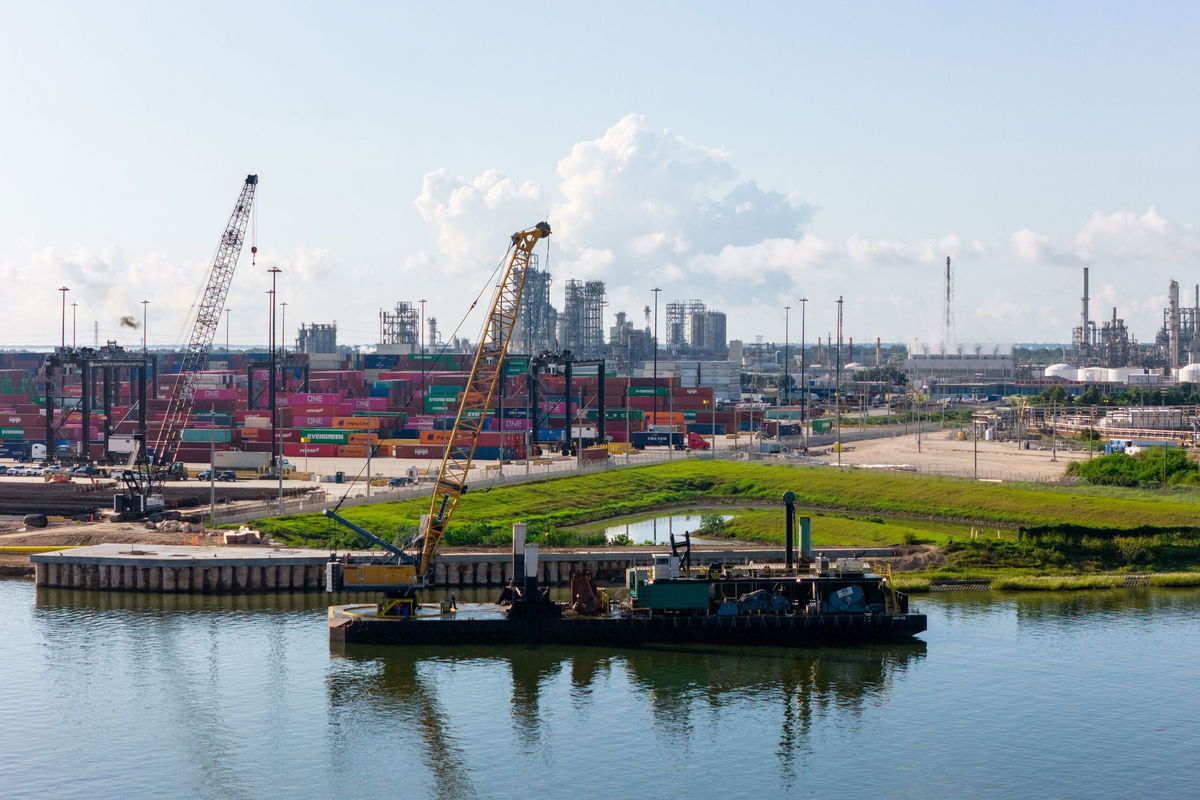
(948, 316)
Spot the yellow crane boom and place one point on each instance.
(477, 397)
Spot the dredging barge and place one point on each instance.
(833, 603)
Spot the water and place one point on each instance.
(1056, 695)
(659, 529)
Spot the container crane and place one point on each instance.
(405, 573)
(139, 488)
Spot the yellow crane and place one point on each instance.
(406, 573)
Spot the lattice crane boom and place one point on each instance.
(208, 316)
(485, 375)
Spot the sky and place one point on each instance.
(745, 154)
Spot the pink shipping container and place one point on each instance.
(322, 399)
(204, 395)
(312, 422)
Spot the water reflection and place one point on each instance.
(680, 689)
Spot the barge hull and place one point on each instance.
(777, 630)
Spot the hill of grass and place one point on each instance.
(554, 503)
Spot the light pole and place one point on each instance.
(837, 391)
(145, 317)
(283, 333)
(64, 291)
(656, 291)
(787, 384)
(803, 380)
(975, 431)
(227, 331)
(271, 385)
(74, 308)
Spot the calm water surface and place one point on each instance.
(1048, 695)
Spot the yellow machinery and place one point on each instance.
(406, 573)
(477, 398)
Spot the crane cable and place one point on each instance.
(424, 366)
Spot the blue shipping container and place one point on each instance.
(551, 434)
(643, 439)
(381, 361)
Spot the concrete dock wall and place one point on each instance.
(231, 570)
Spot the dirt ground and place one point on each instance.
(14, 534)
(940, 454)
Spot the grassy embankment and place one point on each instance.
(1061, 530)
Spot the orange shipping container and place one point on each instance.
(362, 438)
(433, 437)
(384, 450)
(664, 418)
(357, 423)
(353, 451)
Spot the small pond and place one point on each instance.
(659, 529)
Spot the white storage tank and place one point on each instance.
(1092, 374)
(1189, 374)
(1064, 371)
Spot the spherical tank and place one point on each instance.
(1064, 371)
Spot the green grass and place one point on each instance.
(1057, 583)
(839, 529)
(911, 583)
(619, 492)
(1176, 579)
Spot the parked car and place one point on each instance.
(85, 470)
(227, 475)
(402, 481)
(35, 471)
(205, 475)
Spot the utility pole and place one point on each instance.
(837, 392)
(803, 380)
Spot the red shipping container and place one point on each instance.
(417, 451)
(298, 450)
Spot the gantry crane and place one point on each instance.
(406, 573)
(212, 305)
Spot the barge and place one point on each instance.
(830, 602)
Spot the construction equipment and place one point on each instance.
(403, 574)
(158, 462)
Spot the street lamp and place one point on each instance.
(656, 291)
(64, 291)
(803, 380)
(271, 385)
(787, 384)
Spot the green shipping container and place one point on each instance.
(647, 391)
(671, 596)
(443, 391)
(516, 366)
(205, 435)
(325, 436)
(12, 433)
(616, 414)
(822, 425)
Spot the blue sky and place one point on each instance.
(745, 154)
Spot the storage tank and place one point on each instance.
(1064, 371)
(1189, 374)
(1092, 374)
(854, 365)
